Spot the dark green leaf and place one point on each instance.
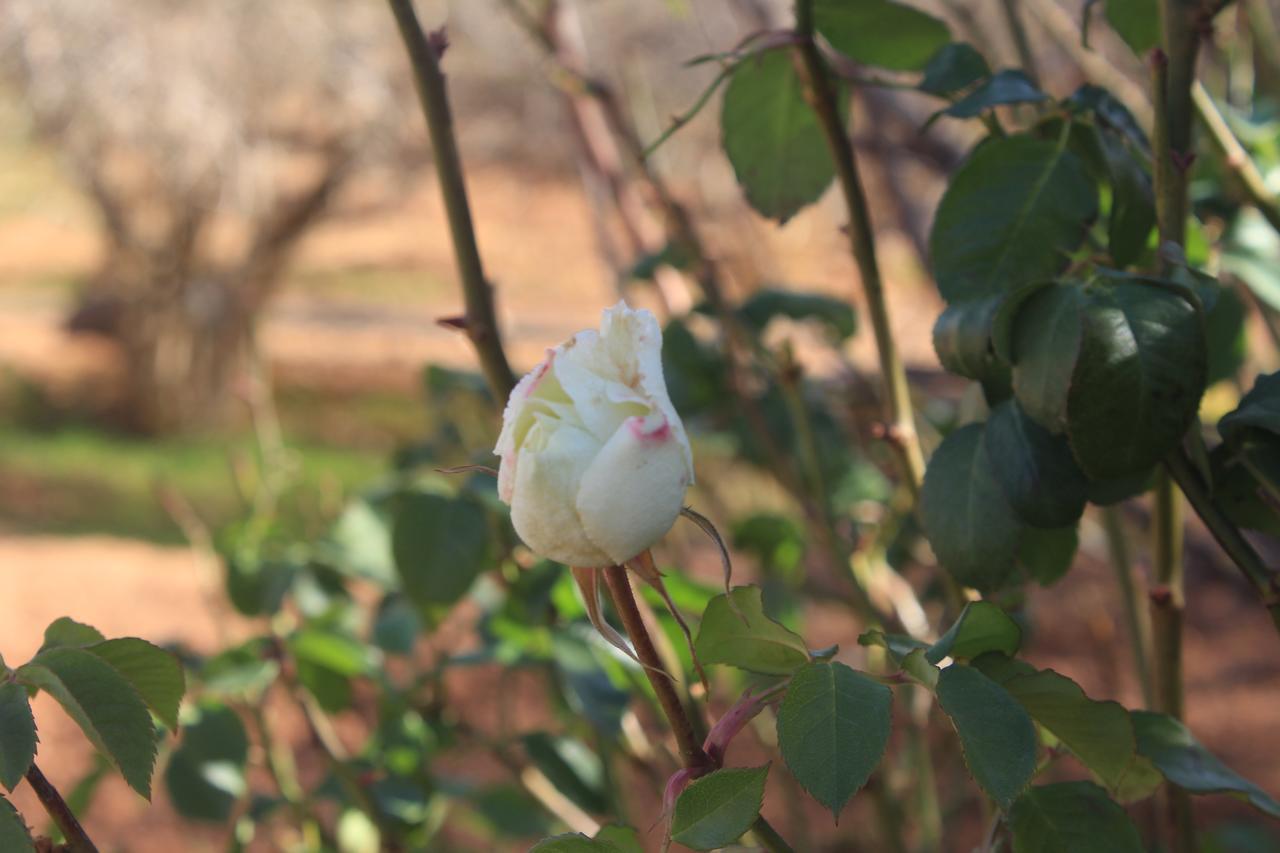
(833, 727)
(982, 627)
(954, 67)
(998, 737)
(572, 842)
(17, 734)
(1035, 468)
(1133, 213)
(1098, 733)
(880, 33)
(1226, 336)
(331, 690)
(512, 811)
(571, 766)
(1045, 343)
(718, 808)
(1071, 817)
(70, 633)
(773, 138)
(397, 625)
(1137, 22)
(834, 314)
(241, 672)
(14, 835)
(1258, 410)
(1236, 488)
(1047, 555)
(757, 644)
(623, 838)
(1186, 763)
(1138, 379)
(1004, 87)
(1115, 490)
(1011, 216)
(971, 526)
(1110, 114)
(962, 337)
(205, 776)
(104, 705)
(155, 674)
(257, 585)
(441, 545)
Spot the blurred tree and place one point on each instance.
(209, 136)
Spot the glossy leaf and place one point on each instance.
(772, 137)
(717, 809)
(440, 544)
(880, 32)
(758, 644)
(156, 674)
(955, 67)
(833, 727)
(1098, 733)
(970, 525)
(205, 776)
(14, 835)
(962, 337)
(982, 627)
(997, 735)
(1010, 86)
(1047, 553)
(17, 734)
(1035, 468)
(1138, 378)
(1132, 215)
(104, 705)
(1186, 763)
(1045, 345)
(1071, 817)
(1011, 216)
(1259, 410)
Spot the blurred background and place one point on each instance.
(223, 258)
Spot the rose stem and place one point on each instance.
(481, 324)
(691, 752)
(77, 839)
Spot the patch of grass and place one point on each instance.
(77, 480)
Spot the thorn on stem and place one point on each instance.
(1182, 160)
(458, 323)
(1159, 59)
(438, 41)
(1161, 595)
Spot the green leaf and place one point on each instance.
(1186, 763)
(1259, 411)
(441, 544)
(1138, 379)
(104, 705)
(1011, 216)
(339, 653)
(954, 67)
(962, 338)
(1251, 252)
(67, 632)
(833, 727)
(14, 835)
(397, 625)
(836, 315)
(1045, 340)
(773, 138)
(1132, 214)
(880, 33)
(982, 627)
(1226, 336)
(17, 734)
(572, 842)
(1010, 86)
(571, 766)
(154, 673)
(1098, 733)
(205, 776)
(758, 644)
(970, 525)
(1071, 817)
(1035, 468)
(362, 535)
(623, 838)
(1237, 490)
(718, 808)
(1047, 554)
(998, 736)
(1137, 22)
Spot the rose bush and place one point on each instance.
(595, 461)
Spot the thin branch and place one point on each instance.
(481, 323)
(1137, 618)
(77, 839)
(1235, 157)
(900, 430)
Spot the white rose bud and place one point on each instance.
(595, 461)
